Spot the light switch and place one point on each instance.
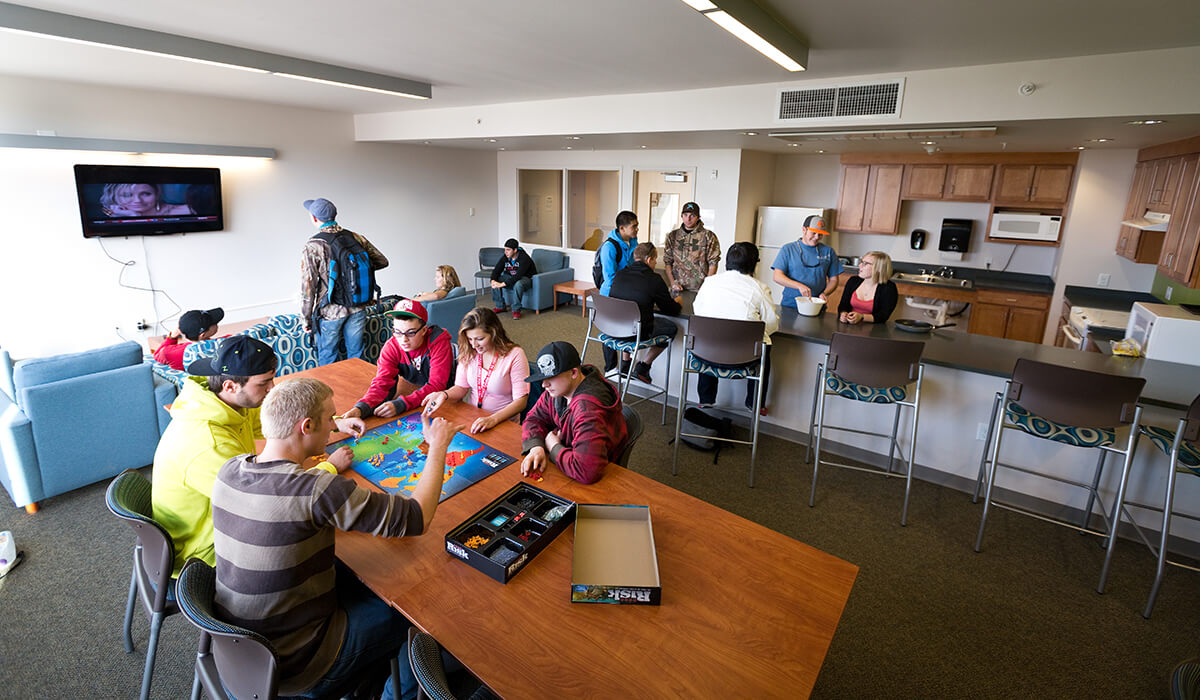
(1103, 279)
(470, 211)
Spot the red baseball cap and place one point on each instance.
(408, 308)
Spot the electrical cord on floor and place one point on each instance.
(960, 312)
(125, 264)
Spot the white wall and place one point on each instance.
(756, 188)
(60, 291)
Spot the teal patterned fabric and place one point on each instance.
(862, 392)
(1163, 438)
(167, 372)
(631, 345)
(292, 345)
(1038, 426)
(208, 348)
(287, 323)
(695, 364)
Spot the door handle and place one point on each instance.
(1072, 336)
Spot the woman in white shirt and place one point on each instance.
(736, 294)
(491, 372)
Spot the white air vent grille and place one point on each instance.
(872, 100)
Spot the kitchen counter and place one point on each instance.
(1110, 299)
(987, 279)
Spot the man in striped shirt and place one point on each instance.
(274, 524)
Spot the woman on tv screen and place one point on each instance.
(138, 199)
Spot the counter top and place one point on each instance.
(987, 279)
(1109, 299)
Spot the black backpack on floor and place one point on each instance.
(698, 422)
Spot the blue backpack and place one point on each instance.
(351, 277)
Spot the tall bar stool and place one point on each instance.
(1074, 407)
(870, 370)
(1182, 446)
(609, 322)
(725, 349)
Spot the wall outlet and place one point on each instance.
(981, 431)
(1103, 279)
(142, 325)
(470, 211)
(1168, 293)
(987, 262)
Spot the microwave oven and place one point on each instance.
(1165, 332)
(1025, 227)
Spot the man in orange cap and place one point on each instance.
(807, 267)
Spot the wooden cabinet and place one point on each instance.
(1164, 183)
(1179, 249)
(869, 198)
(1133, 243)
(1033, 185)
(972, 183)
(923, 181)
(1012, 315)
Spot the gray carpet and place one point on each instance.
(928, 617)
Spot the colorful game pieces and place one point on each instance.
(476, 541)
(499, 520)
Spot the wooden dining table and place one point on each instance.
(746, 611)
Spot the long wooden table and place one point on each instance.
(746, 611)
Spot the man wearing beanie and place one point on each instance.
(331, 323)
(512, 278)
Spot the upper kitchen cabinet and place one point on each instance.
(923, 181)
(1033, 185)
(869, 198)
(1134, 243)
(1164, 183)
(969, 182)
(1182, 242)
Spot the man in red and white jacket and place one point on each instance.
(417, 353)
(577, 422)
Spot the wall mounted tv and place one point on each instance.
(140, 200)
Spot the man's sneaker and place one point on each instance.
(499, 309)
(516, 314)
(641, 372)
(624, 367)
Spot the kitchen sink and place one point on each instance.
(935, 280)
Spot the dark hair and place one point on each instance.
(643, 251)
(216, 382)
(486, 320)
(742, 257)
(626, 218)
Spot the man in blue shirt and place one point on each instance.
(615, 257)
(807, 267)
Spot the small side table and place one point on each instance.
(577, 289)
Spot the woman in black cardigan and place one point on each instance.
(871, 297)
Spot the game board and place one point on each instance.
(392, 456)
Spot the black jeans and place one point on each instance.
(706, 384)
(661, 327)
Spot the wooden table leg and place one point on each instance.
(556, 300)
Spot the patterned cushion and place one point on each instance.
(200, 348)
(287, 323)
(630, 345)
(1038, 426)
(376, 331)
(295, 351)
(862, 392)
(167, 372)
(695, 364)
(1163, 438)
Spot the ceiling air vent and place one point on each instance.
(841, 102)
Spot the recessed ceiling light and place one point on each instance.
(1080, 148)
(1147, 122)
(820, 151)
(929, 143)
(568, 148)
(793, 144)
(643, 146)
(491, 140)
(1098, 140)
(502, 148)
(750, 133)
(574, 138)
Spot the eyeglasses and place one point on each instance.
(407, 334)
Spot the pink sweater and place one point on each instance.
(506, 383)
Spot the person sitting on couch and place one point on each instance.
(444, 280)
(415, 362)
(194, 325)
(512, 278)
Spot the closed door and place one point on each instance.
(852, 198)
(1014, 182)
(988, 319)
(1174, 258)
(1051, 183)
(970, 182)
(924, 181)
(883, 193)
(1025, 324)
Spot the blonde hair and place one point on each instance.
(290, 402)
(449, 277)
(486, 320)
(881, 270)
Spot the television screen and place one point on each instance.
(140, 200)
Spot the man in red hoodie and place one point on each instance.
(576, 422)
(417, 353)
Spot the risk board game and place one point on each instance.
(392, 456)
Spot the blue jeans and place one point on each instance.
(329, 336)
(511, 295)
(374, 633)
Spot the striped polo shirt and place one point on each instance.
(273, 528)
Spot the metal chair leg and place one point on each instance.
(991, 480)
(812, 413)
(912, 453)
(812, 494)
(156, 621)
(1119, 505)
(1087, 513)
(895, 439)
(758, 396)
(680, 405)
(1168, 503)
(666, 384)
(129, 605)
(202, 653)
(987, 444)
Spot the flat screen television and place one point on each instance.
(141, 200)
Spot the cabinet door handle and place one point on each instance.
(1032, 192)
(1010, 300)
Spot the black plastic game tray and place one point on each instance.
(507, 533)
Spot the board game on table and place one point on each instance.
(392, 456)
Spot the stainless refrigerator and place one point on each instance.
(776, 226)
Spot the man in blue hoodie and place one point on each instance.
(619, 254)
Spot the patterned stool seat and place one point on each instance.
(861, 392)
(1039, 426)
(1163, 438)
(623, 345)
(696, 364)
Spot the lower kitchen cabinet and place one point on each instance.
(1012, 315)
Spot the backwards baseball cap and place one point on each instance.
(554, 359)
(408, 308)
(195, 322)
(321, 208)
(817, 224)
(237, 356)
(691, 208)
(512, 244)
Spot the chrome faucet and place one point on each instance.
(944, 272)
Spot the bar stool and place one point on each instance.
(725, 349)
(870, 370)
(1074, 407)
(1182, 446)
(610, 322)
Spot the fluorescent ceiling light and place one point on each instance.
(947, 132)
(69, 143)
(30, 21)
(762, 32)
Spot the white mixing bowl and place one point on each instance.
(809, 306)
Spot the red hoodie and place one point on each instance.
(590, 425)
(427, 366)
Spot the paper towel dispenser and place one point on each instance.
(956, 235)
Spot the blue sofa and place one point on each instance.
(552, 268)
(448, 311)
(71, 420)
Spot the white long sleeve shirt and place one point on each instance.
(737, 297)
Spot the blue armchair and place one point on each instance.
(552, 269)
(448, 311)
(72, 420)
